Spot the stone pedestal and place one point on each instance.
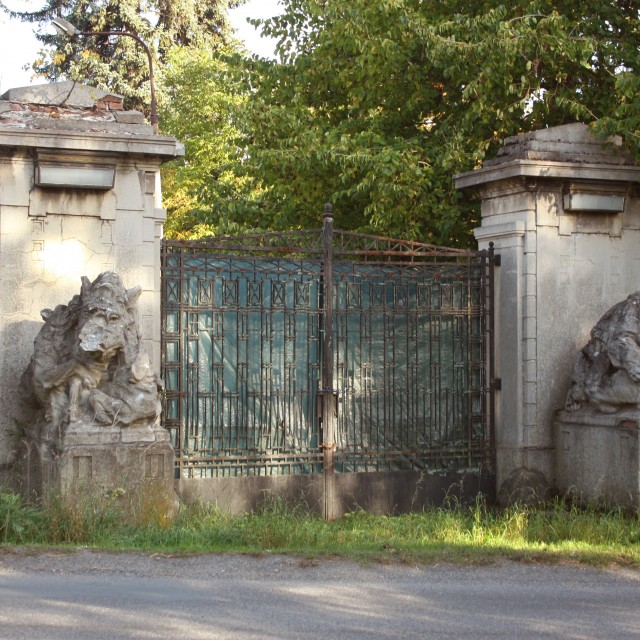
(135, 463)
(597, 457)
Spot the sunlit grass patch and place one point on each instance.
(555, 532)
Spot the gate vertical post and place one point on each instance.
(329, 404)
(492, 260)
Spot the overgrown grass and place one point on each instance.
(555, 532)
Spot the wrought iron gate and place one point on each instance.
(326, 351)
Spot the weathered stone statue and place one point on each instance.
(88, 365)
(93, 399)
(606, 376)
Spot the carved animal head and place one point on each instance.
(107, 317)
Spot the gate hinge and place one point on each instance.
(497, 260)
(497, 384)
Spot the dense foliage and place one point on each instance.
(206, 193)
(376, 105)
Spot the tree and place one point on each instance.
(375, 105)
(119, 64)
(206, 193)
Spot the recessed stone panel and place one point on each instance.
(70, 202)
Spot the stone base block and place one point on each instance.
(136, 464)
(382, 492)
(597, 458)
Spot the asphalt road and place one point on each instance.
(110, 596)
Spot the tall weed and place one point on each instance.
(19, 521)
(87, 517)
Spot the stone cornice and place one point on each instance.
(546, 169)
(120, 143)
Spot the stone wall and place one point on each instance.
(50, 236)
(563, 212)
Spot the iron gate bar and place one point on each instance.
(443, 292)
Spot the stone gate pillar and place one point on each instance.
(563, 212)
(79, 196)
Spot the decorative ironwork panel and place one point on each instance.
(264, 333)
(241, 363)
(410, 365)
